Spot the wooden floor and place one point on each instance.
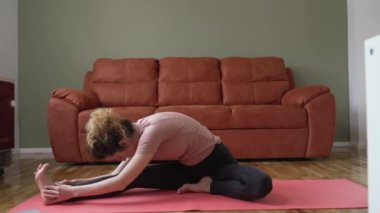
(18, 183)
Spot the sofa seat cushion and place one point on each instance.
(211, 116)
(268, 117)
(130, 113)
(265, 143)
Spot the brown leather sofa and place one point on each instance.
(251, 103)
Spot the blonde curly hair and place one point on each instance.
(104, 132)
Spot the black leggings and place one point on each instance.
(229, 178)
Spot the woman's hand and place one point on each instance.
(58, 193)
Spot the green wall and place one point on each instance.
(60, 39)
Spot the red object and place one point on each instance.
(286, 194)
(6, 115)
(251, 103)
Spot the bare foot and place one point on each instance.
(42, 180)
(202, 186)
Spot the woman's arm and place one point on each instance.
(84, 181)
(121, 166)
(117, 183)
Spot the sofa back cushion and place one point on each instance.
(189, 81)
(253, 80)
(125, 82)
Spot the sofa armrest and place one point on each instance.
(63, 110)
(319, 104)
(81, 99)
(304, 95)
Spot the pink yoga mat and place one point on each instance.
(286, 194)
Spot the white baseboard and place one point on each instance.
(342, 144)
(361, 146)
(349, 144)
(32, 150)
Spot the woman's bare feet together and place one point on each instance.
(202, 186)
(43, 180)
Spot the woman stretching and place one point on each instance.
(198, 160)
